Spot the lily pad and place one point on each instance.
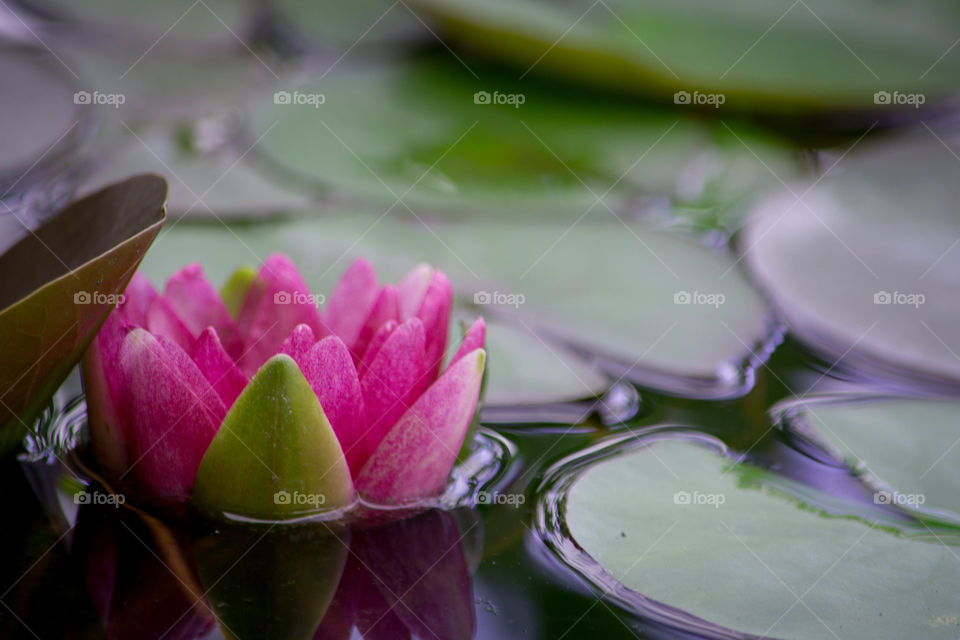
(213, 184)
(676, 531)
(909, 450)
(525, 369)
(650, 305)
(863, 264)
(167, 86)
(58, 285)
(435, 136)
(779, 55)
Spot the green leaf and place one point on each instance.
(779, 56)
(205, 183)
(58, 285)
(907, 449)
(276, 455)
(674, 522)
(414, 131)
(524, 369)
(864, 266)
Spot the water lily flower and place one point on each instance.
(253, 402)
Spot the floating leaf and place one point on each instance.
(428, 133)
(863, 263)
(907, 448)
(525, 369)
(782, 56)
(58, 285)
(691, 541)
(213, 185)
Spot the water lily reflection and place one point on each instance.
(404, 579)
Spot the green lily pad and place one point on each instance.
(421, 131)
(773, 55)
(171, 85)
(58, 285)
(864, 267)
(275, 455)
(202, 184)
(651, 305)
(525, 369)
(907, 449)
(690, 540)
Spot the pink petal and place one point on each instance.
(299, 343)
(136, 300)
(386, 309)
(328, 367)
(199, 306)
(391, 384)
(414, 459)
(278, 300)
(379, 338)
(172, 412)
(162, 320)
(218, 367)
(435, 314)
(352, 301)
(101, 385)
(473, 339)
(413, 288)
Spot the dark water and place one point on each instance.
(484, 569)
